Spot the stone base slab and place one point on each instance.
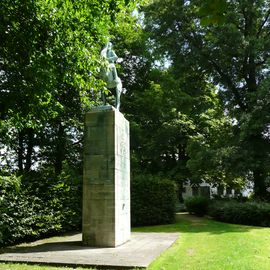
(139, 252)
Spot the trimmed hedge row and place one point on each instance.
(27, 213)
(247, 213)
(230, 210)
(197, 205)
(42, 206)
(153, 200)
(24, 218)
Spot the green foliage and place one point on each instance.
(165, 113)
(49, 65)
(42, 206)
(49, 61)
(152, 200)
(248, 213)
(226, 43)
(197, 205)
(212, 11)
(168, 103)
(16, 212)
(13, 181)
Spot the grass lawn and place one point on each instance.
(206, 244)
(203, 245)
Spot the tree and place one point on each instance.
(49, 78)
(164, 110)
(48, 61)
(233, 54)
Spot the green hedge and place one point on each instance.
(153, 200)
(247, 213)
(197, 205)
(28, 212)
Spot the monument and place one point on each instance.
(106, 180)
(109, 73)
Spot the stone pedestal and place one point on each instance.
(106, 180)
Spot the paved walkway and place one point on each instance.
(139, 252)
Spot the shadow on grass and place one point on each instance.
(192, 224)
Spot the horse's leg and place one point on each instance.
(117, 101)
(103, 98)
(118, 91)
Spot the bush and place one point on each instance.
(152, 200)
(247, 213)
(197, 205)
(28, 212)
(61, 195)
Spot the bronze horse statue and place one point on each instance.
(109, 73)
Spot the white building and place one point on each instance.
(209, 190)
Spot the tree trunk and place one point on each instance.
(30, 145)
(260, 191)
(180, 191)
(20, 151)
(60, 150)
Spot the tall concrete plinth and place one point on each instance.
(106, 180)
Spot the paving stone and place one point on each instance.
(139, 252)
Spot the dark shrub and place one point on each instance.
(29, 212)
(152, 200)
(61, 195)
(248, 213)
(196, 205)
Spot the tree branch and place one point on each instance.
(229, 83)
(219, 70)
(263, 23)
